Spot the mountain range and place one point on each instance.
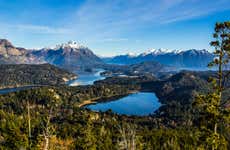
(177, 58)
(72, 55)
(68, 55)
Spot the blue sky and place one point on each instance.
(111, 27)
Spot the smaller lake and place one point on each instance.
(87, 78)
(140, 104)
(9, 90)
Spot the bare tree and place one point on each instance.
(128, 137)
(52, 107)
(29, 123)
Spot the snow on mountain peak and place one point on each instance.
(160, 51)
(176, 51)
(131, 54)
(70, 44)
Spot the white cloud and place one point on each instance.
(42, 29)
(97, 21)
(115, 39)
(38, 29)
(115, 17)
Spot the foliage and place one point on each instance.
(57, 121)
(212, 116)
(25, 74)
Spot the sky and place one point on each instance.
(112, 27)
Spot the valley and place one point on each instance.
(79, 94)
(114, 75)
(175, 94)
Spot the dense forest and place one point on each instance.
(55, 113)
(148, 67)
(12, 75)
(195, 113)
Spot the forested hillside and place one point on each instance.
(55, 113)
(194, 112)
(27, 75)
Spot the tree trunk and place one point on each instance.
(29, 125)
(215, 128)
(46, 146)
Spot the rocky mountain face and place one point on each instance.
(14, 55)
(69, 55)
(72, 55)
(184, 59)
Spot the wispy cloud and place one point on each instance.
(33, 29)
(107, 23)
(115, 40)
(40, 29)
(114, 17)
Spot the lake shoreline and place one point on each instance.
(139, 104)
(86, 78)
(104, 99)
(66, 81)
(21, 86)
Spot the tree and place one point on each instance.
(222, 53)
(210, 109)
(128, 137)
(29, 124)
(51, 110)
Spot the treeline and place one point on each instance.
(55, 115)
(25, 74)
(148, 67)
(195, 113)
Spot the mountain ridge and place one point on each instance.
(67, 55)
(9, 54)
(72, 55)
(176, 58)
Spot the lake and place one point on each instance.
(141, 104)
(87, 78)
(9, 90)
(83, 79)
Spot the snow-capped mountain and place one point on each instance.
(159, 51)
(131, 54)
(76, 56)
(70, 44)
(69, 55)
(178, 58)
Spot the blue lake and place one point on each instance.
(83, 79)
(9, 90)
(87, 78)
(140, 104)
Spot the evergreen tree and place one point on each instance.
(210, 109)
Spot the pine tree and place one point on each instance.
(210, 109)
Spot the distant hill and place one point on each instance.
(183, 86)
(16, 75)
(184, 59)
(148, 67)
